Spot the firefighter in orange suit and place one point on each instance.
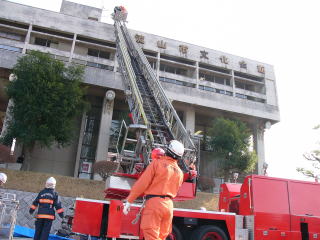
(159, 183)
(46, 201)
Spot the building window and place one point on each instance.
(215, 78)
(216, 90)
(42, 42)
(260, 100)
(93, 52)
(105, 55)
(89, 142)
(99, 65)
(248, 76)
(10, 48)
(220, 91)
(12, 36)
(99, 54)
(177, 82)
(228, 93)
(219, 80)
(238, 95)
(206, 88)
(240, 85)
(245, 86)
(174, 70)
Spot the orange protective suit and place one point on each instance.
(160, 178)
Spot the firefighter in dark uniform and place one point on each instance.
(48, 202)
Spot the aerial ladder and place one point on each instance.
(154, 120)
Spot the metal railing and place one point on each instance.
(170, 116)
(132, 92)
(127, 48)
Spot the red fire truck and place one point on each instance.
(262, 208)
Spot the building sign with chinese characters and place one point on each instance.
(162, 44)
(204, 55)
(183, 49)
(261, 69)
(243, 64)
(139, 38)
(224, 59)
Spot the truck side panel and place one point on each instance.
(305, 207)
(114, 219)
(105, 218)
(87, 217)
(270, 203)
(281, 208)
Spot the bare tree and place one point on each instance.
(314, 158)
(106, 168)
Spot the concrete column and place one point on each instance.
(105, 125)
(72, 46)
(27, 40)
(190, 119)
(197, 73)
(258, 138)
(158, 65)
(233, 84)
(81, 134)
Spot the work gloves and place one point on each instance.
(31, 211)
(126, 208)
(192, 174)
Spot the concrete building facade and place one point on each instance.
(202, 83)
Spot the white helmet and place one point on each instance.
(176, 148)
(51, 182)
(3, 178)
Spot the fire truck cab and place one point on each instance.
(259, 209)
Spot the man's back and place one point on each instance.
(168, 178)
(162, 177)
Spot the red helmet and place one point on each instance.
(157, 153)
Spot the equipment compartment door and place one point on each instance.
(87, 217)
(271, 204)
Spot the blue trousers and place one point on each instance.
(43, 227)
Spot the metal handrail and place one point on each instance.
(130, 77)
(168, 111)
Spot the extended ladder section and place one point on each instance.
(151, 111)
(147, 100)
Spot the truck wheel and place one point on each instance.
(209, 233)
(175, 235)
